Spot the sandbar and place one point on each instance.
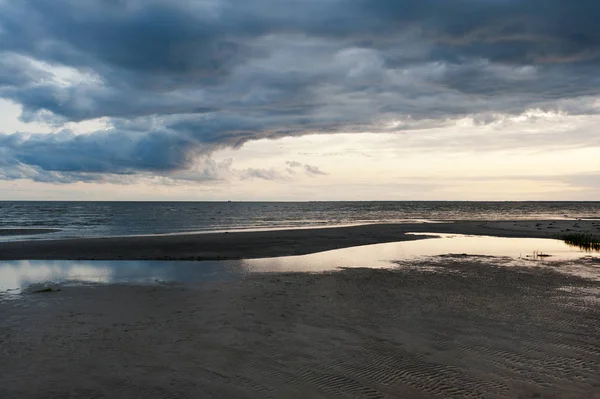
(262, 244)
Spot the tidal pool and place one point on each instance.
(19, 276)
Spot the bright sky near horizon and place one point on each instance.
(300, 100)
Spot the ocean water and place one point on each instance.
(93, 219)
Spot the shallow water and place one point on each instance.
(93, 219)
(19, 276)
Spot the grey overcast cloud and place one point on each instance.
(105, 94)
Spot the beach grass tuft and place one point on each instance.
(587, 242)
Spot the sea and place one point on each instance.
(103, 219)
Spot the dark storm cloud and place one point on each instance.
(178, 79)
(101, 152)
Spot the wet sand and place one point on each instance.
(465, 328)
(261, 244)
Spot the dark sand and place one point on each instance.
(468, 329)
(270, 243)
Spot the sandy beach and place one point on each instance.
(464, 328)
(449, 326)
(260, 244)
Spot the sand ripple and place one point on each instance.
(459, 329)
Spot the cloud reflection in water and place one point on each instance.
(16, 276)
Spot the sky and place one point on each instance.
(299, 100)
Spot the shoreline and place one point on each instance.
(274, 243)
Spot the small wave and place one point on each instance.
(26, 232)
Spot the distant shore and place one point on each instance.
(259, 244)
